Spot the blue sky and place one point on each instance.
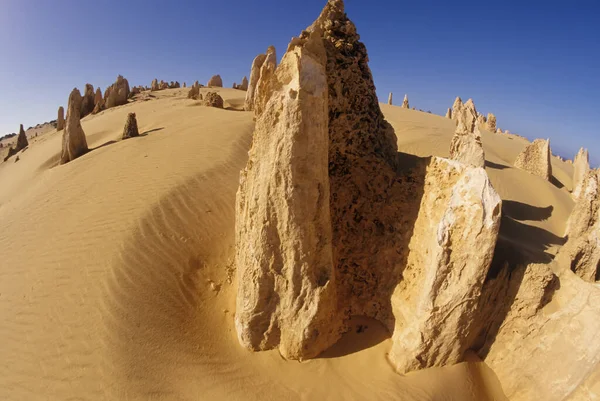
(535, 65)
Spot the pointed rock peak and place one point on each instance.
(405, 102)
(390, 98)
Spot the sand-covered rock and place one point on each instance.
(405, 104)
(215, 82)
(254, 77)
(466, 146)
(74, 143)
(449, 113)
(491, 122)
(131, 127)
(324, 213)
(391, 98)
(457, 107)
(267, 70)
(581, 252)
(193, 93)
(154, 86)
(212, 99)
(89, 100)
(451, 251)
(535, 159)
(581, 166)
(60, 121)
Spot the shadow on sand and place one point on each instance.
(522, 211)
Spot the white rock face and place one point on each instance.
(581, 166)
(263, 86)
(405, 104)
(450, 253)
(457, 107)
(535, 159)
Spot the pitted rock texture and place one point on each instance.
(535, 159)
(212, 99)
(491, 122)
(263, 86)
(457, 107)
(131, 127)
(327, 207)
(254, 77)
(117, 94)
(193, 93)
(74, 143)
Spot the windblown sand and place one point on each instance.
(117, 278)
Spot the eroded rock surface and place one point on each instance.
(457, 107)
(535, 159)
(405, 104)
(491, 122)
(87, 105)
(131, 127)
(117, 94)
(193, 93)
(449, 113)
(254, 77)
(215, 82)
(74, 143)
(212, 99)
(390, 98)
(581, 252)
(263, 85)
(466, 146)
(581, 166)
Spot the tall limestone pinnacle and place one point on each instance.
(74, 143)
(324, 211)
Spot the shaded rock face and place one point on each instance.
(98, 97)
(449, 113)
(117, 94)
(215, 82)
(581, 252)
(436, 304)
(466, 146)
(87, 105)
(326, 207)
(213, 99)
(457, 107)
(74, 143)
(581, 166)
(405, 102)
(390, 99)
(60, 121)
(244, 85)
(535, 159)
(254, 77)
(131, 127)
(196, 84)
(491, 122)
(481, 119)
(22, 142)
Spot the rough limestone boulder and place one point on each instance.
(449, 113)
(98, 96)
(213, 99)
(267, 70)
(466, 146)
(154, 86)
(581, 166)
(193, 93)
(117, 94)
(491, 122)
(197, 84)
(254, 77)
(535, 159)
(131, 127)
(60, 121)
(22, 141)
(163, 85)
(481, 119)
(244, 85)
(215, 82)
(581, 252)
(457, 107)
(74, 143)
(88, 102)
(326, 207)
(470, 110)
(390, 98)
(451, 250)
(405, 102)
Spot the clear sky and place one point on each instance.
(536, 65)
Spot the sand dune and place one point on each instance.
(117, 277)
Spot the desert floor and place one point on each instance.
(117, 279)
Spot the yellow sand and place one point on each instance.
(116, 273)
